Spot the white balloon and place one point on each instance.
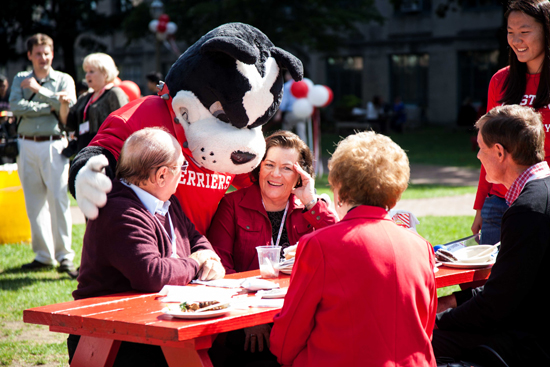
(171, 28)
(309, 83)
(153, 25)
(318, 95)
(302, 108)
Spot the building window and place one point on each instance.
(411, 6)
(121, 6)
(132, 71)
(344, 76)
(475, 70)
(409, 78)
(476, 4)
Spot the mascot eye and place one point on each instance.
(184, 114)
(217, 111)
(220, 115)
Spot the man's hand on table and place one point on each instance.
(202, 255)
(209, 263)
(257, 335)
(444, 303)
(211, 270)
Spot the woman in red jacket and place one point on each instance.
(362, 291)
(525, 82)
(279, 208)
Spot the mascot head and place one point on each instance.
(224, 88)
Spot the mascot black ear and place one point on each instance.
(234, 47)
(288, 61)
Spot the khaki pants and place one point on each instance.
(44, 175)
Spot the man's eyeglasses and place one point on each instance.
(183, 166)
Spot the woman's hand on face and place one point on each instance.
(306, 192)
(257, 335)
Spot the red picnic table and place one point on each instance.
(103, 322)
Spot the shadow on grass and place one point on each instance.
(13, 279)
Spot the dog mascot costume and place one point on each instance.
(216, 98)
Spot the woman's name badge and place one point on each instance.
(84, 127)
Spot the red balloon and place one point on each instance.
(163, 21)
(131, 89)
(117, 81)
(330, 96)
(299, 89)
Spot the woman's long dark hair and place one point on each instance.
(515, 83)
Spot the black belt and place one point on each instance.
(41, 138)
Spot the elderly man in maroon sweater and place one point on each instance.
(141, 239)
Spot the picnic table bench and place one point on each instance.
(103, 322)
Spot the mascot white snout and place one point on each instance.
(214, 143)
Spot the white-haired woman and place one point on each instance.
(93, 107)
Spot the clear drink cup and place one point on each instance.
(268, 258)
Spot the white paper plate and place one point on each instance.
(274, 293)
(198, 315)
(461, 265)
(286, 271)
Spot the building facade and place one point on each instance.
(434, 63)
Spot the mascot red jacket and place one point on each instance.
(215, 99)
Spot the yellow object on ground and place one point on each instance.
(14, 224)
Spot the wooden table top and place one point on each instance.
(138, 317)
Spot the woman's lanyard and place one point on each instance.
(282, 225)
(172, 237)
(93, 100)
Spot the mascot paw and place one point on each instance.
(92, 186)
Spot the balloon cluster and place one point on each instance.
(163, 27)
(308, 96)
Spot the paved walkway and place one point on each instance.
(420, 174)
(442, 206)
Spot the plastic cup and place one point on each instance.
(268, 257)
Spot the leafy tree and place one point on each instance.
(320, 24)
(63, 20)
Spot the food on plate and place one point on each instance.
(444, 255)
(290, 252)
(194, 306)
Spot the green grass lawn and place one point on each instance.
(413, 191)
(428, 145)
(19, 343)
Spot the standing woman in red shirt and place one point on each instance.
(526, 81)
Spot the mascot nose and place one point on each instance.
(239, 157)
